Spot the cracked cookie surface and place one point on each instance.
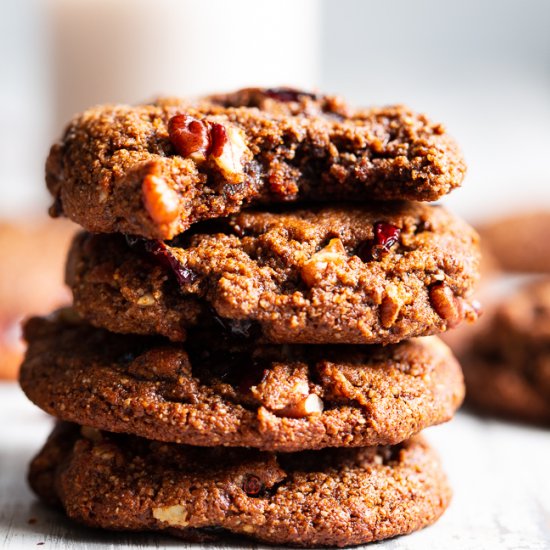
(354, 275)
(154, 170)
(334, 497)
(239, 393)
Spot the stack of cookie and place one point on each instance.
(241, 357)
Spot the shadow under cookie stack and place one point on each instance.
(241, 357)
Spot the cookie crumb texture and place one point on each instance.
(507, 364)
(336, 497)
(328, 275)
(284, 398)
(154, 170)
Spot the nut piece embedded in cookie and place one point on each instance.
(229, 151)
(313, 269)
(285, 391)
(189, 136)
(312, 404)
(446, 304)
(390, 307)
(160, 200)
(203, 139)
(174, 516)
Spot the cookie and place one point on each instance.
(520, 243)
(507, 364)
(336, 497)
(154, 170)
(283, 398)
(352, 275)
(31, 280)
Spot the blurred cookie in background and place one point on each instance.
(507, 365)
(31, 279)
(520, 243)
(505, 356)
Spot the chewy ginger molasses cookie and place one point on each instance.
(333, 497)
(239, 393)
(154, 170)
(355, 275)
(507, 363)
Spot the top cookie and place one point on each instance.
(153, 170)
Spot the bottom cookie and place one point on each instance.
(333, 497)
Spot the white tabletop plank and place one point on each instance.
(500, 473)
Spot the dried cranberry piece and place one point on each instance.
(288, 94)
(218, 139)
(165, 257)
(385, 236)
(189, 135)
(252, 485)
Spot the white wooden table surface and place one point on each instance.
(500, 474)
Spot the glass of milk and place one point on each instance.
(132, 50)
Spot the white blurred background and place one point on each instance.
(482, 67)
